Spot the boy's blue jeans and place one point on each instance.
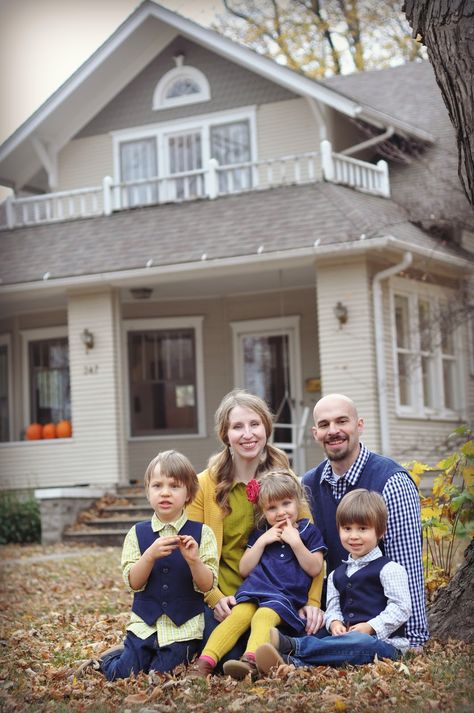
(351, 648)
(146, 655)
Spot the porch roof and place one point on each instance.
(309, 220)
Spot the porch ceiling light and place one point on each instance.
(141, 293)
(341, 313)
(87, 339)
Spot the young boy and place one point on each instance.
(368, 600)
(168, 563)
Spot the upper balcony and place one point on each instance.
(210, 182)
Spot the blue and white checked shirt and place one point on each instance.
(394, 581)
(402, 540)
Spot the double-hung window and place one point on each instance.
(170, 161)
(46, 366)
(427, 353)
(165, 381)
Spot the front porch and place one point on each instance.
(210, 182)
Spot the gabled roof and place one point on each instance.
(145, 33)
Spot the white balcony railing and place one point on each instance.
(209, 182)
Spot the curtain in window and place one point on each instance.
(230, 144)
(50, 394)
(138, 161)
(185, 155)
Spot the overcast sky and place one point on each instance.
(42, 42)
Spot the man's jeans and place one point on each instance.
(351, 648)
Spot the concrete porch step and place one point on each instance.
(108, 519)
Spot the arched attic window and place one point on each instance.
(181, 85)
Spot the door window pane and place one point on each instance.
(137, 162)
(230, 144)
(50, 393)
(162, 374)
(266, 374)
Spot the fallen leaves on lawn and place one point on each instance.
(60, 606)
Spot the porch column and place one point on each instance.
(347, 352)
(96, 386)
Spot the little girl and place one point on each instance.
(279, 564)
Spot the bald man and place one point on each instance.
(348, 465)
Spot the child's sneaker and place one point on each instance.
(240, 669)
(267, 657)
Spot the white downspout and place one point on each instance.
(379, 348)
(370, 142)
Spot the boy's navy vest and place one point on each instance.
(169, 589)
(361, 596)
(374, 476)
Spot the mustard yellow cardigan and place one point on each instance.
(205, 509)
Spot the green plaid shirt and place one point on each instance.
(167, 632)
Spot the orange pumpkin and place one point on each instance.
(49, 430)
(64, 429)
(34, 432)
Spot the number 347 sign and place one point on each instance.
(90, 369)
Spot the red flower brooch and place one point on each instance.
(253, 490)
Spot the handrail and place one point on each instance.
(207, 182)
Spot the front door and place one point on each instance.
(267, 363)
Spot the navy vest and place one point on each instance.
(361, 596)
(169, 589)
(374, 476)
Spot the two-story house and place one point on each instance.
(188, 217)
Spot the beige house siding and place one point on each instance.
(95, 395)
(95, 454)
(231, 86)
(347, 351)
(287, 128)
(85, 162)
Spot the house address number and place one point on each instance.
(91, 369)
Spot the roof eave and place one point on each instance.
(169, 273)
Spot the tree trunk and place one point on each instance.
(450, 615)
(446, 27)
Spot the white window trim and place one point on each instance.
(130, 325)
(202, 123)
(5, 340)
(160, 101)
(414, 291)
(27, 336)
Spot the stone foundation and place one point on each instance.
(59, 508)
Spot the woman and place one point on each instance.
(243, 425)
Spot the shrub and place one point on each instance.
(20, 519)
(447, 513)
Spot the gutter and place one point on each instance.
(379, 348)
(253, 262)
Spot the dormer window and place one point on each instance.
(181, 85)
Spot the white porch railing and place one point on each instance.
(348, 171)
(209, 182)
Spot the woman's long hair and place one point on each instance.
(221, 463)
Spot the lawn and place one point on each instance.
(59, 606)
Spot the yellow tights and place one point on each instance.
(224, 636)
